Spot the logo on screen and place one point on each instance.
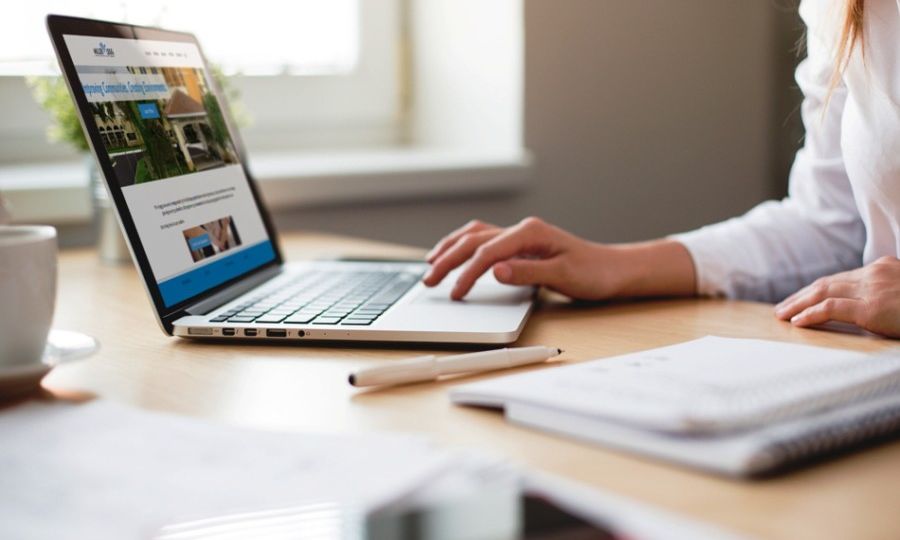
(103, 50)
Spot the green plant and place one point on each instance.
(142, 174)
(232, 96)
(216, 121)
(53, 96)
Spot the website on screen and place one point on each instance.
(174, 158)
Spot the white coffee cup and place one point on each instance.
(27, 292)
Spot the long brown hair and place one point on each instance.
(851, 35)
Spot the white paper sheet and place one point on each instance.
(101, 470)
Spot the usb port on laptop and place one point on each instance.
(279, 332)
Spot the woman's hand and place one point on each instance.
(868, 297)
(533, 252)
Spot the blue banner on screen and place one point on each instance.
(194, 282)
(148, 110)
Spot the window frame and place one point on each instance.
(324, 109)
(435, 142)
(335, 113)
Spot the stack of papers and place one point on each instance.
(734, 406)
(101, 470)
(105, 471)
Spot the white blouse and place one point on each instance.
(843, 203)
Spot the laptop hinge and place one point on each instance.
(227, 295)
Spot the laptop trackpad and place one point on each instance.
(486, 292)
(490, 307)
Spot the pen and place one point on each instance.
(428, 368)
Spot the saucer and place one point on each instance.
(62, 346)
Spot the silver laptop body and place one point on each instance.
(198, 230)
(387, 303)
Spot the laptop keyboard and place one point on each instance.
(354, 298)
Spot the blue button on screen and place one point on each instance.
(199, 242)
(148, 110)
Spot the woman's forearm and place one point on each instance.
(534, 252)
(655, 268)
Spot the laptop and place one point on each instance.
(198, 231)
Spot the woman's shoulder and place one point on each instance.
(822, 19)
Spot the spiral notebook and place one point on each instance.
(736, 406)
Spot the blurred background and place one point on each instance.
(401, 119)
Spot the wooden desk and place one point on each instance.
(305, 388)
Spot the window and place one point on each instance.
(296, 37)
(349, 99)
(312, 74)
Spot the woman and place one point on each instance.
(827, 252)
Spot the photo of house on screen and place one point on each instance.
(179, 132)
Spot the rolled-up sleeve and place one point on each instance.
(781, 246)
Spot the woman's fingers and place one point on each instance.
(464, 247)
(868, 297)
(846, 310)
(528, 272)
(815, 293)
(848, 276)
(448, 241)
(521, 239)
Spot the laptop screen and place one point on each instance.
(174, 158)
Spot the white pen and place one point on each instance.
(428, 368)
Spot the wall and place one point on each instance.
(644, 118)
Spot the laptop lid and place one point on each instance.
(171, 158)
